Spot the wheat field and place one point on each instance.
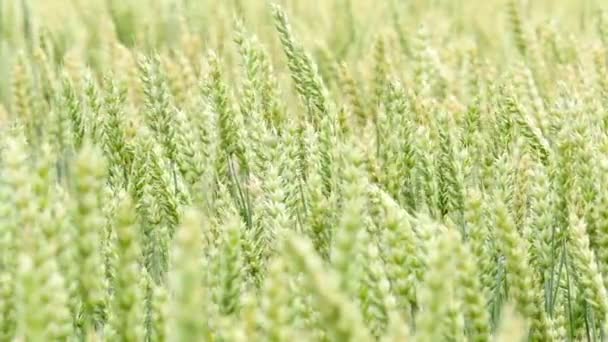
(322, 170)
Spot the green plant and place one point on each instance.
(316, 173)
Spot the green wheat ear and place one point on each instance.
(584, 260)
(523, 288)
(90, 172)
(126, 309)
(308, 82)
(273, 312)
(23, 101)
(339, 317)
(517, 27)
(20, 209)
(186, 283)
(436, 288)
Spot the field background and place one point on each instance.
(83, 29)
(347, 170)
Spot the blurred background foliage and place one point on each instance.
(99, 33)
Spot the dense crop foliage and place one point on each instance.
(344, 170)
